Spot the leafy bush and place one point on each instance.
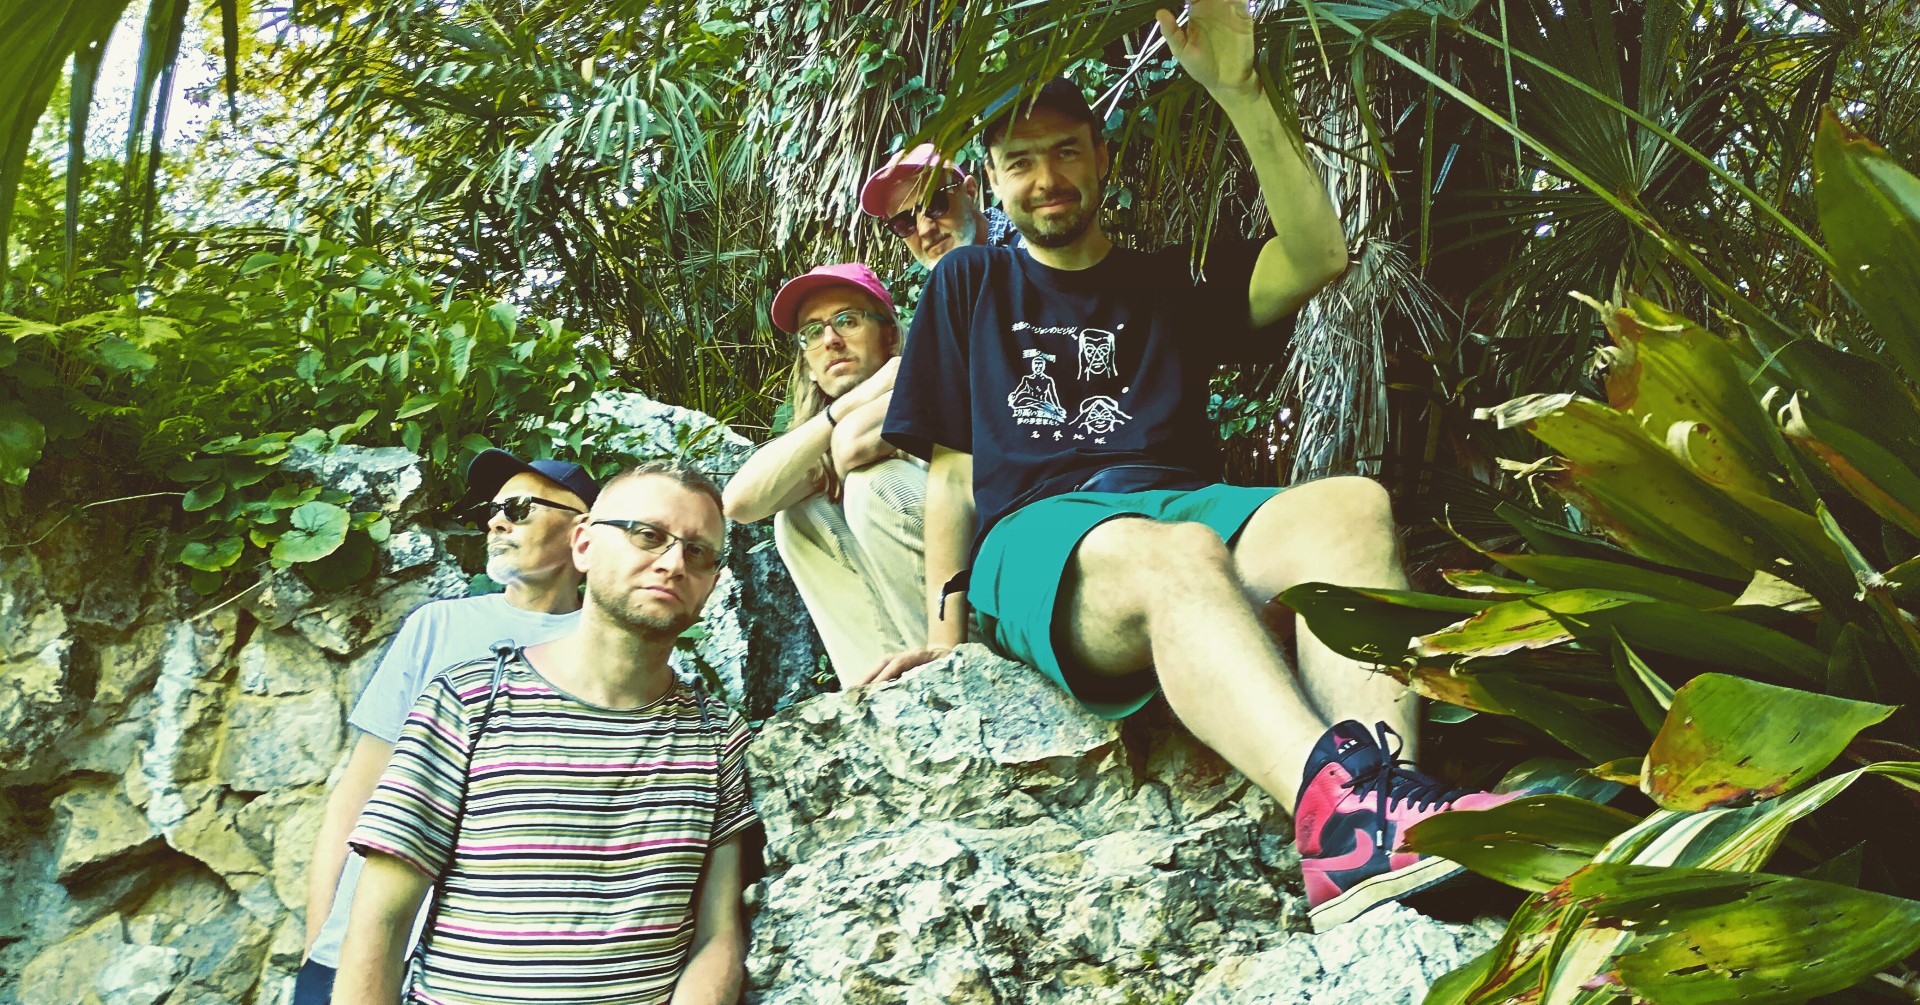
(1751, 608)
(212, 372)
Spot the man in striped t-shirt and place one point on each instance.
(598, 857)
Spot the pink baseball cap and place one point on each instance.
(786, 303)
(882, 191)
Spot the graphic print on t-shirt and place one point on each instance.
(1100, 415)
(1097, 357)
(1034, 399)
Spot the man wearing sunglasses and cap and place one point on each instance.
(1074, 499)
(932, 224)
(847, 508)
(529, 509)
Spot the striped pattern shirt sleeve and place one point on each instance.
(735, 813)
(415, 811)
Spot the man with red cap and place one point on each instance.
(932, 224)
(847, 507)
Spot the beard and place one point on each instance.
(629, 609)
(502, 566)
(1059, 230)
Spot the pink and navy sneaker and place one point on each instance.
(1356, 802)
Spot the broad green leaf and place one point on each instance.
(1533, 843)
(211, 556)
(21, 439)
(1729, 741)
(1632, 488)
(1856, 391)
(1368, 625)
(1587, 727)
(419, 404)
(1702, 935)
(1874, 474)
(345, 566)
(1870, 216)
(316, 529)
(203, 496)
(1702, 635)
(1666, 371)
(1527, 623)
(1571, 572)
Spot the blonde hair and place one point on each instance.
(806, 399)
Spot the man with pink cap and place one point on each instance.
(932, 224)
(848, 509)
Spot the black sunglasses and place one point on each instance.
(516, 508)
(905, 222)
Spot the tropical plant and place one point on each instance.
(210, 379)
(1742, 605)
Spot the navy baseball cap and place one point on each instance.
(1058, 94)
(491, 469)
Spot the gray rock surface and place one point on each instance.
(970, 834)
(1389, 956)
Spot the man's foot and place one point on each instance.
(1356, 804)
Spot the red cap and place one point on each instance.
(786, 303)
(882, 191)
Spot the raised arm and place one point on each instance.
(1309, 249)
(785, 470)
(716, 961)
(950, 523)
(374, 959)
(856, 440)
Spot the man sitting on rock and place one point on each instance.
(847, 507)
(1060, 392)
(575, 810)
(529, 521)
(932, 225)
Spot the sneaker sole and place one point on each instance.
(1385, 888)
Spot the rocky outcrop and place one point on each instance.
(164, 757)
(971, 835)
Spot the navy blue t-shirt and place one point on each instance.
(1047, 376)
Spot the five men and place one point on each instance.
(575, 813)
(1059, 392)
(529, 522)
(575, 810)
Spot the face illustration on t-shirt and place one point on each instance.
(1094, 384)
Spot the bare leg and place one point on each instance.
(1337, 530)
(1140, 593)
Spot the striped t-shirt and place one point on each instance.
(585, 833)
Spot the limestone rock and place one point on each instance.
(130, 667)
(141, 975)
(38, 705)
(274, 743)
(279, 599)
(1389, 956)
(343, 624)
(224, 948)
(96, 825)
(68, 971)
(382, 478)
(782, 648)
(409, 549)
(282, 662)
(970, 834)
(634, 425)
(30, 620)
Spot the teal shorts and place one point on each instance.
(1015, 583)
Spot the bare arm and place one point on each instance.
(950, 525)
(373, 961)
(344, 803)
(856, 440)
(716, 962)
(1309, 249)
(784, 471)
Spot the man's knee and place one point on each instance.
(893, 492)
(1353, 500)
(1156, 551)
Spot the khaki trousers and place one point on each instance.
(860, 564)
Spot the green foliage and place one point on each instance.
(1739, 624)
(217, 371)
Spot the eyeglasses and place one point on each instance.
(700, 556)
(905, 222)
(516, 508)
(847, 322)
